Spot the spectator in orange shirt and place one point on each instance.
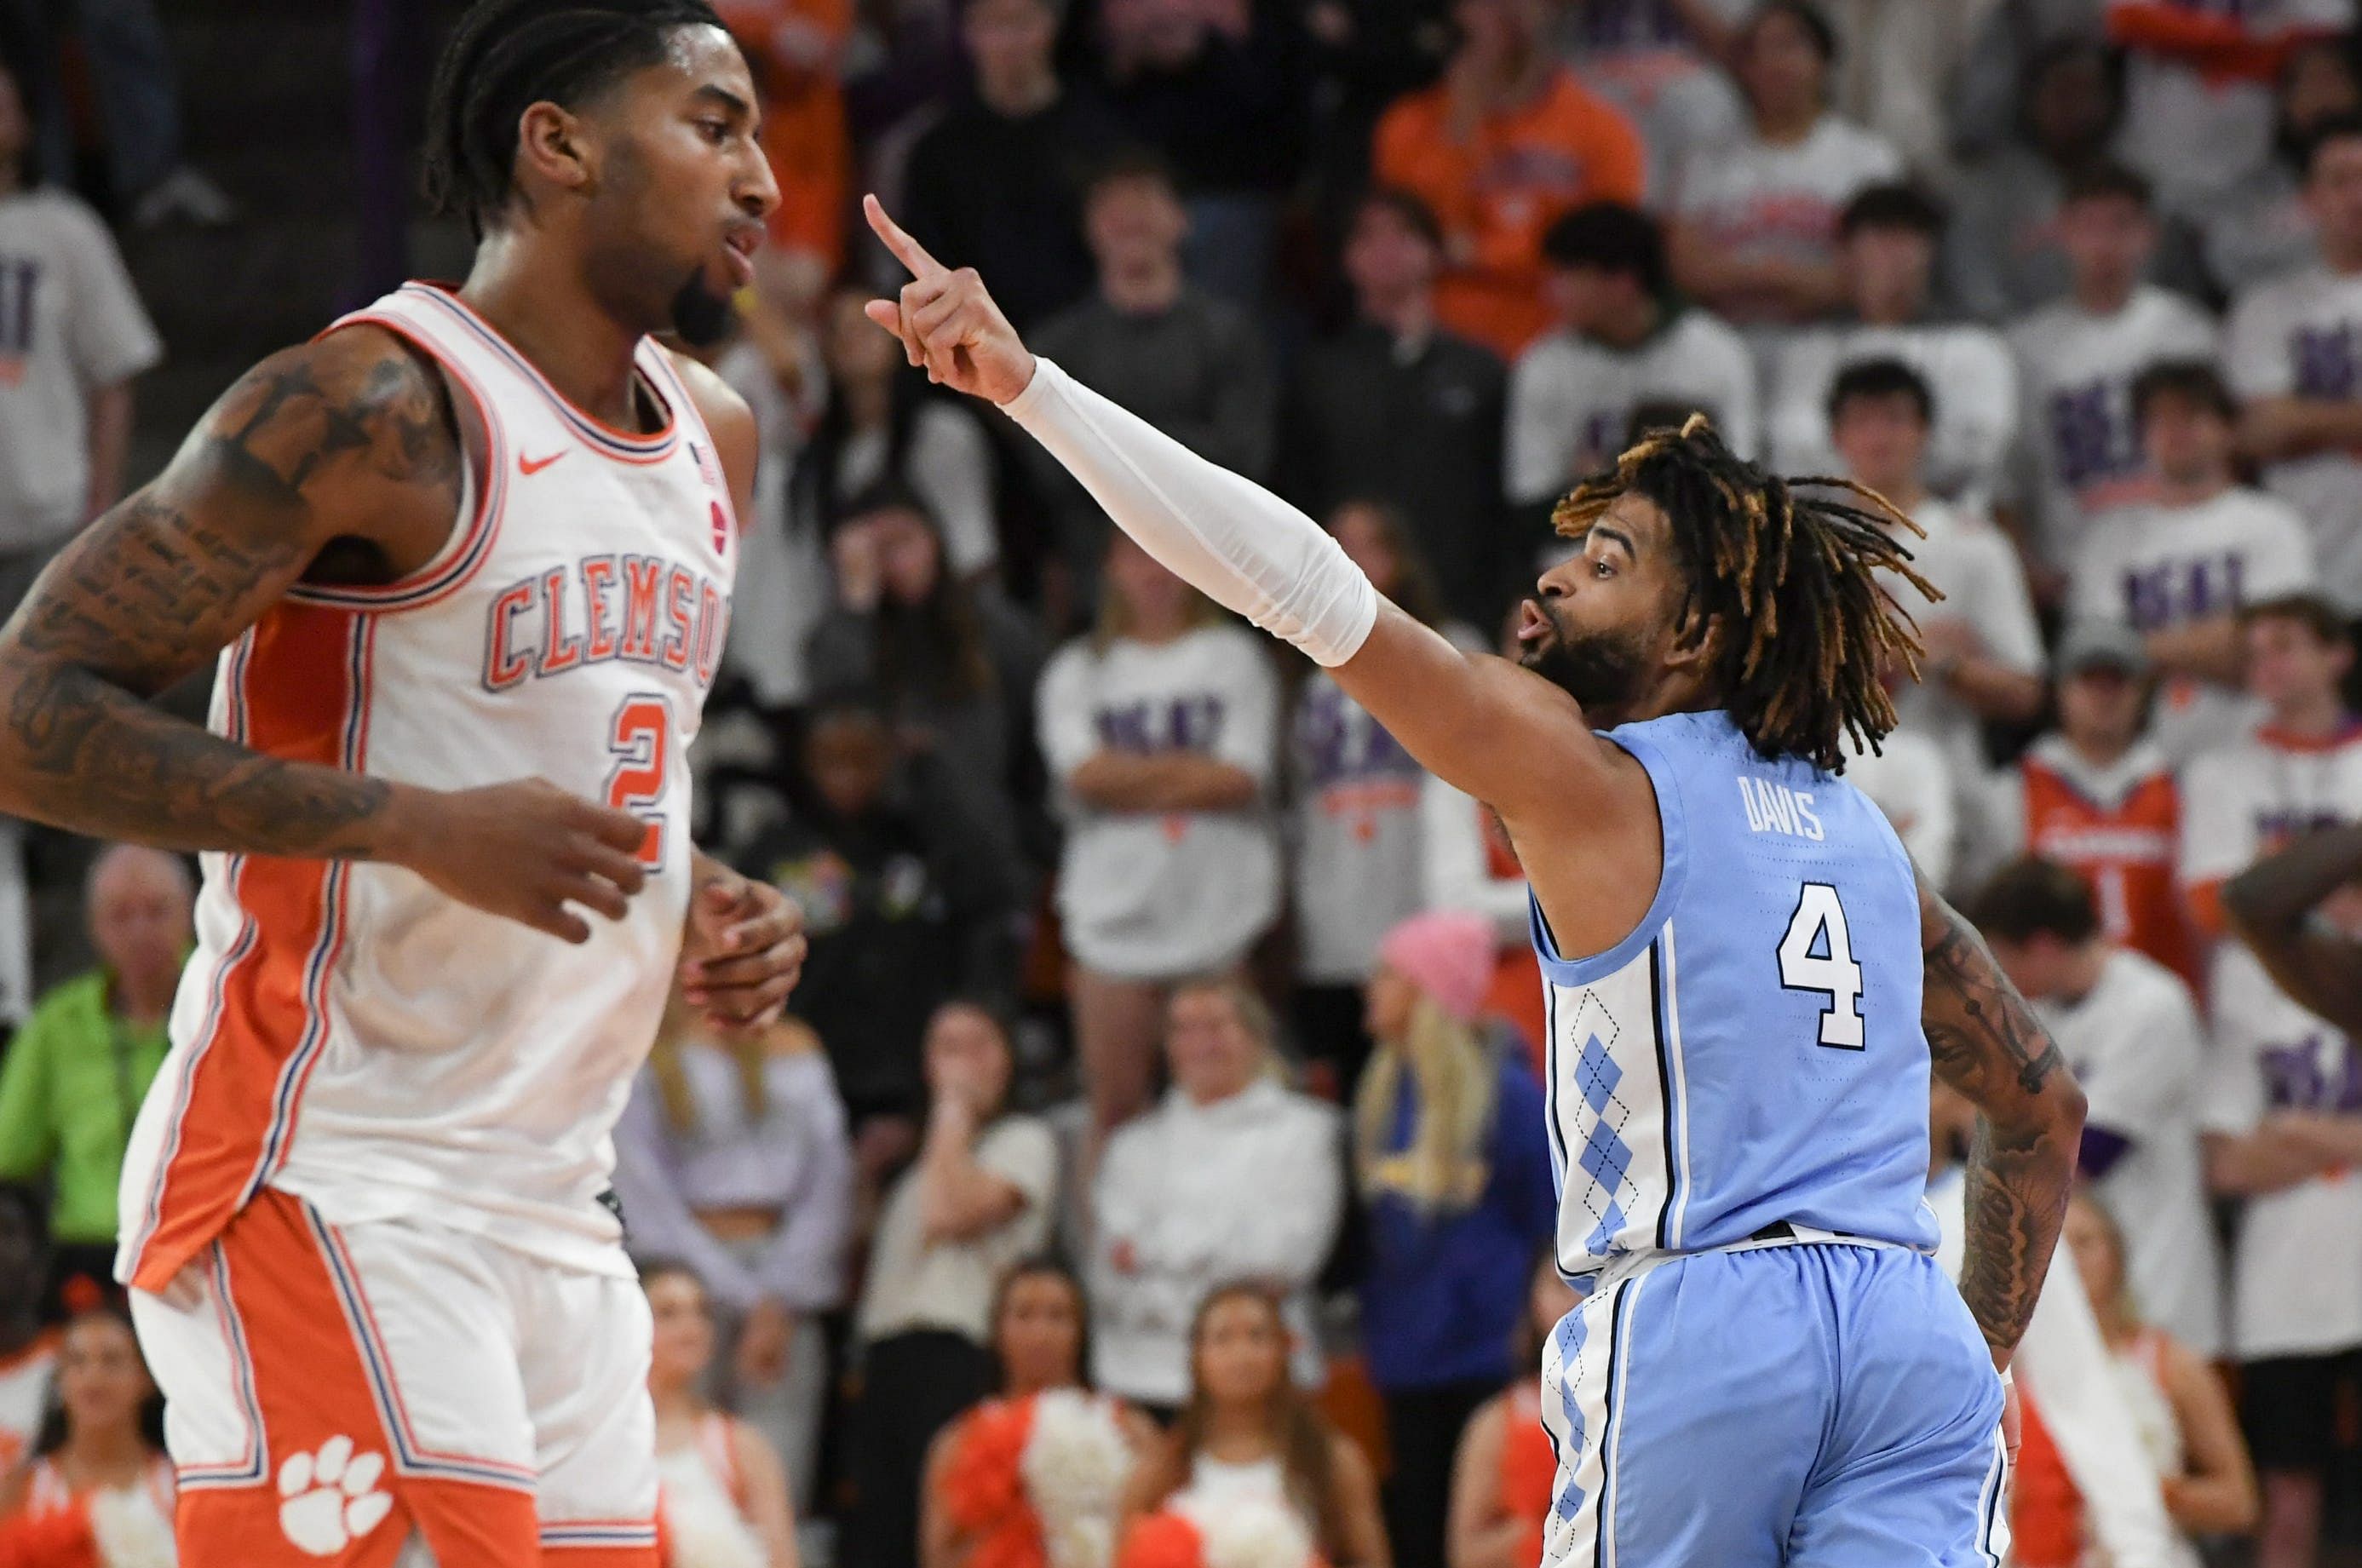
(1500, 148)
(793, 47)
(2098, 795)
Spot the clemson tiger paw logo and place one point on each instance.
(330, 1499)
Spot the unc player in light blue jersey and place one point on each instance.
(1747, 984)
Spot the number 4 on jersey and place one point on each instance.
(641, 739)
(1821, 923)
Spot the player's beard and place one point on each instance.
(1601, 670)
(700, 317)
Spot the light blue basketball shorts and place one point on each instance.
(1812, 1405)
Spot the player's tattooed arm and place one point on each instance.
(326, 452)
(2271, 904)
(1987, 1043)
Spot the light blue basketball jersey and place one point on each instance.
(1752, 1053)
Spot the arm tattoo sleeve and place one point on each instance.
(170, 575)
(1987, 1043)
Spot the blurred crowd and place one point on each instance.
(1153, 1163)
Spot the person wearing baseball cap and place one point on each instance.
(1451, 1159)
(2101, 646)
(2098, 795)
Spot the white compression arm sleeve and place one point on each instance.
(1227, 537)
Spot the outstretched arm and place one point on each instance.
(2270, 905)
(1987, 1043)
(1498, 733)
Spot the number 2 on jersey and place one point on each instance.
(641, 740)
(1820, 921)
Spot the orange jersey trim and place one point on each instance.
(301, 683)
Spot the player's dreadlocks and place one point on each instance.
(507, 55)
(1792, 569)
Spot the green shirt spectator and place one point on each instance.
(72, 1081)
(74, 1077)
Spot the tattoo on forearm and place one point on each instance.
(1994, 1028)
(107, 763)
(1987, 1043)
(2013, 1206)
(167, 578)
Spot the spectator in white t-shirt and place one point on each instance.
(1756, 234)
(1159, 730)
(1890, 234)
(1356, 855)
(1909, 779)
(1471, 867)
(2293, 352)
(1232, 1176)
(2178, 569)
(2077, 358)
(2289, 1114)
(1984, 651)
(72, 337)
(2128, 1027)
(1623, 341)
(2298, 768)
(975, 1201)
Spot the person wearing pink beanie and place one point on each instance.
(1447, 954)
(1453, 1159)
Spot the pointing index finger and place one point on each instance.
(907, 250)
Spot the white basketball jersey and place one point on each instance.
(345, 1032)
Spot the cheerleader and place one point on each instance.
(724, 1499)
(1034, 1477)
(97, 1490)
(1251, 1475)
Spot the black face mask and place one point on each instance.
(700, 317)
(1599, 670)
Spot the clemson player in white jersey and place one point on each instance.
(465, 562)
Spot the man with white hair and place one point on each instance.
(75, 1073)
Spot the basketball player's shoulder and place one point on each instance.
(353, 426)
(735, 439)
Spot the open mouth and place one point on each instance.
(1532, 624)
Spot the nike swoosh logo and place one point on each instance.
(535, 465)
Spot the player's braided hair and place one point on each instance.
(505, 56)
(1792, 569)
